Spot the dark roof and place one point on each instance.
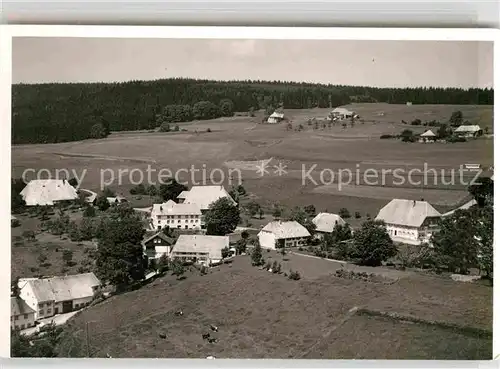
(19, 307)
(161, 235)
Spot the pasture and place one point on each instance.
(265, 315)
(239, 143)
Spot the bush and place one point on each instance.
(453, 139)
(416, 122)
(344, 213)
(29, 235)
(386, 136)
(209, 130)
(357, 215)
(15, 223)
(300, 248)
(294, 275)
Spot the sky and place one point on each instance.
(361, 63)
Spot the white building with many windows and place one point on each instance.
(173, 215)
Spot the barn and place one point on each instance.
(278, 234)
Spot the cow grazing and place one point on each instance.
(163, 335)
(179, 313)
(205, 336)
(212, 340)
(214, 328)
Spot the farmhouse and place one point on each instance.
(342, 113)
(50, 296)
(203, 196)
(427, 136)
(409, 221)
(469, 131)
(47, 192)
(173, 215)
(280, 234)
(326, 222)
(206, 250)
(157, 245)
(275, 117)
(21, 315)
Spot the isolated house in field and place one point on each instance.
(341, 113)
(206, 250)
(21, 315)
(278, 234)
(469, 131)
(157, 245)
(50, 296)
(276, 117)
(409, 221)
(48, 192)
(326, 223)
(173, 215)
(427, 136)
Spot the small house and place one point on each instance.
(275, 117)
(116, 200)
(342, 113)
(427, 136)
(326, 223)
(409, 221)
(278, 234)
(21, 315)
(157, 245)
(469, 131)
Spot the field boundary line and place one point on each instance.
(317, 257)
(353, 311)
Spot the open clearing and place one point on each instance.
(265, 315)
(241, 142)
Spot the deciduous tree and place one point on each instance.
(222, 217)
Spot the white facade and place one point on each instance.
(21, 315)
(173, 215)
(283, 234)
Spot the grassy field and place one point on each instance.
(241, 142)
(265, 315)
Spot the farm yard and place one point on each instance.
(265, 315)
(240, 142)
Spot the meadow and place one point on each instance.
(239, 142)
(265, 315)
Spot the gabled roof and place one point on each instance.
(326, 222)
(203, 196)
(288, 229)
(277, 115)
(172, 208)
(161, 235)
(19, 307)
(428, 133)
(409, 213)
(341, 111)
(465, 206)
(470, 128)
(116, 199)
(64, 288)
(46, 191)
(202, 244)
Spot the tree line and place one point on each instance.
(55, 112)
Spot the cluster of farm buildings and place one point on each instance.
(407, 221)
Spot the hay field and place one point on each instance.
(265, 315)
(236, 141)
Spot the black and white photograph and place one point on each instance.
(251, 198)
